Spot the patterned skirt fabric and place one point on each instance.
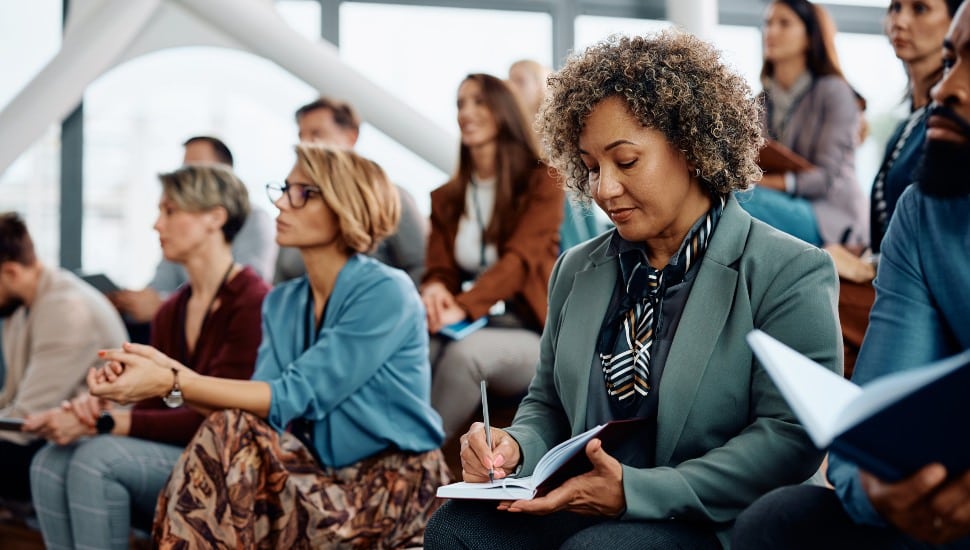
(239, 484)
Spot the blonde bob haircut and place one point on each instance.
(202, 187)
(356, 189)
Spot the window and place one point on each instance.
(30, 35)
(421, 54)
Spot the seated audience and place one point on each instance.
(333, 443)
(920, 312)
(105, 462)
(916, 29)
(647, 321)
(253, 246)
(494, 239)
(53, 326)
(336, 124)
(810, 108)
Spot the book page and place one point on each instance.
(558, 455)
(817, 395)
(504, 489)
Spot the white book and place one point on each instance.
(563, 461)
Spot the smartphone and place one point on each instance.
(11, 424)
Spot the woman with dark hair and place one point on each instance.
(647, 322)
(811, 109)
(333, 443)
(916, 29)
(494, 238)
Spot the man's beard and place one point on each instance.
(943, 169)
(9, 307)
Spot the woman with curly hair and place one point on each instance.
(811, 109)
(494, 239)
(647, 322)
(333, 443)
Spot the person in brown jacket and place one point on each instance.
(494, 240)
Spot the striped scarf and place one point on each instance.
(627, 337)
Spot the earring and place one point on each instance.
(697, 172)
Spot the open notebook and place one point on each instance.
(565, 460)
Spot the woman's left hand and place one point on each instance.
(131, 374)
(59, 425)
(595, 493)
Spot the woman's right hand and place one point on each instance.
(437, 300)
(133, 373)
(476, 458)
(850, 266)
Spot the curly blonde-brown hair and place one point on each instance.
(671, 82)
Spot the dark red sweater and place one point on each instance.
(226, 348)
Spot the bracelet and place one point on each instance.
(174, 397)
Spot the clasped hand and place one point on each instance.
(132, 373)
(598, 492)
(927, 505)
(65, 424)
(441, 307)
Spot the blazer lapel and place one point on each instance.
(704, 317)
(576, 345)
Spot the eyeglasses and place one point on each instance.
(296, 193)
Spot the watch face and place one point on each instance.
(105, 423)
(173, 399)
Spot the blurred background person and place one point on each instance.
(254, 246)
(494, 239)
(336, 124)
(916, 29)
(105, 464)
(333, 442)
(53, 326)
(527, 78)
(812, 110)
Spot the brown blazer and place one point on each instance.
(525, 258)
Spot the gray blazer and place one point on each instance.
(823, 128)
(724, 434)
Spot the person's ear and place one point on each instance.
(352, 136)
(219, 217)
(10, 272)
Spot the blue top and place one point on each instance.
(900, 174)
(920, 312)
(363, 379)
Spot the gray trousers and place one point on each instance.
(84, 493)
(478, 525)
(504, 357)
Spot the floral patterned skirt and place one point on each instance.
(239, 484)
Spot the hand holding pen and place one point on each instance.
(478, 457)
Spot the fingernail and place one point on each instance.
(101, 353)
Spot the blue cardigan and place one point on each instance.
(363, 379)
(920, 312)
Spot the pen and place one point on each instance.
(488, 430)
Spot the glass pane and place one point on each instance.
(593, 28)
(302, 15)
(30, 35)
(421, 54)
(137, 117)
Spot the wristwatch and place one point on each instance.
(105, 423)
(174, 397)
